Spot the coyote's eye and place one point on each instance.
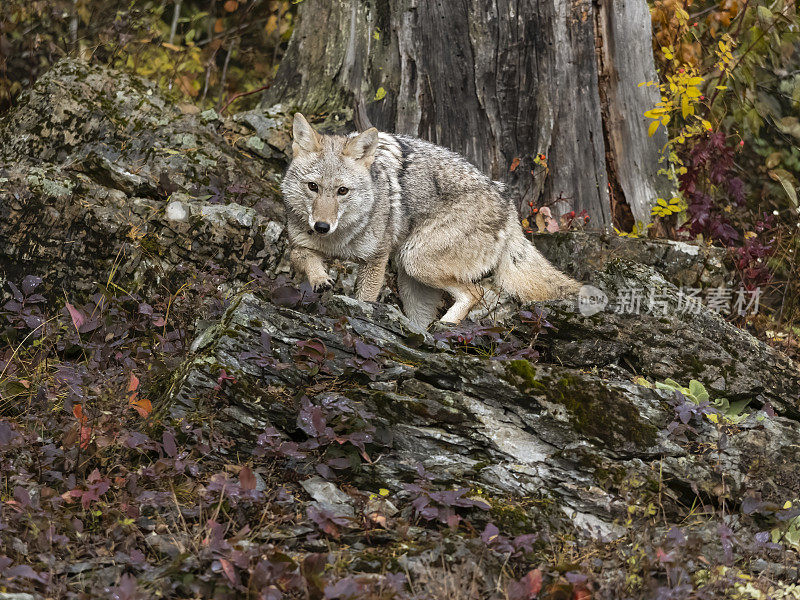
(342, 191)
(313, 186)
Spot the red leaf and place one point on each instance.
(581, 594)
(514, 164)
(534, 581)
(143, 406)
(526, 588)
(86, 436)
(227, 567)
(247, 479)
(77, 317)
(77, 410)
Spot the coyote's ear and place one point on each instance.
(362, 146)
(305, 138)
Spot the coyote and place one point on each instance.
(372, 196)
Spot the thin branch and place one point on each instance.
(243, 94)
(225, 68)
(73, 26)
(231, 31)
(176, 14)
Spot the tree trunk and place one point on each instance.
(495, 81)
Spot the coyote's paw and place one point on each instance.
(320, 284)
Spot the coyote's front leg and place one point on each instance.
(369, 280)
(311, 264)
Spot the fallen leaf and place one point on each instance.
(77, 317)
(247, 479)
(143, 406)
(77, 410)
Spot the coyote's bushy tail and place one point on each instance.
(527, 275)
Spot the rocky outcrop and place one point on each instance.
(573, 425)
(105, 181)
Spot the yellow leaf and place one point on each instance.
(383, 492)
(651, 131)
(380, 94)
(713, 418)
(685, 108)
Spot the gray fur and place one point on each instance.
(444, 223)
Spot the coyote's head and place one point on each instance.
(329, 179)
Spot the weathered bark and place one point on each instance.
(494, 81)
(624, 48)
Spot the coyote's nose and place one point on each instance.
(322, 227)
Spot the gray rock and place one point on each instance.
(99, 165)
(560, 427)
(329, 496)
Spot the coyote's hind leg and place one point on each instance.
(420, 301)
(465, 295)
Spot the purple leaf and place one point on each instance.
(30, 283)
(171, 449)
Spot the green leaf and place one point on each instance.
(698, 391)
(790, 125)
(765, 14)
(786, 180)
(737, 407)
